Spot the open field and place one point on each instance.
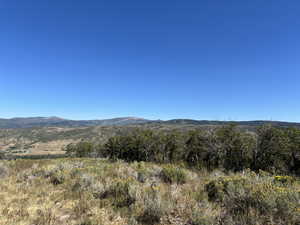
(96, 191)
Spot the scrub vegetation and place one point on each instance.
(95, 191)
(216, 176)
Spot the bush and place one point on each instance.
(200, 150)
(273, 154)
(81, 149)
(263, 203)
(4, 171)
(236, 148)
(120, 194)
(285, 180)
(142, 176)
(217, 189)
(254, 201)
(2, 155)
(57, 178)
(152, 212)
(200, 219)
(171, 174)
(83, 183)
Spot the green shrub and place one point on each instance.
(263, 203)
(217, 189)
(152, 213)
(57, 178)
(81, 149)
(285, 180)
(254, 201)
(142, 176)
(171, 174)
(120, 194)
(200, 153)
(199, 219)
(2, 155)
(236, 148)
(274, 153)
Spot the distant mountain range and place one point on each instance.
(218, 123)
(60, 122)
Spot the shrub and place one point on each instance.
(4, 171)
(236, 148)
(294, 145)
(172, 146)
(81, 149)
(200, 219)
(217, 189)
(98, 190)
(2, 155)
(132, 221)
(247, 201)
(142, 176)
(152, 213)
(263, 202)
(119, 193)
(199, 152)
(84, 182)
(171, 174)
(273, 154)
(57, 178)
(75, 173)
(285, 180)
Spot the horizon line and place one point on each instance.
(143, 118)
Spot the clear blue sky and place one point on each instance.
(224, 60)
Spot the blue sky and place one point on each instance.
(221, 60)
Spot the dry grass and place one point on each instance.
(94, 191)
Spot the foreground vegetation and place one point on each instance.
(95, 191)
(213, 176)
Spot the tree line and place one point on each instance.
(272, 149)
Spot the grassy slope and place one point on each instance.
(94, 191)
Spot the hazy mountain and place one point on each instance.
(253, 123)
(60, 122)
